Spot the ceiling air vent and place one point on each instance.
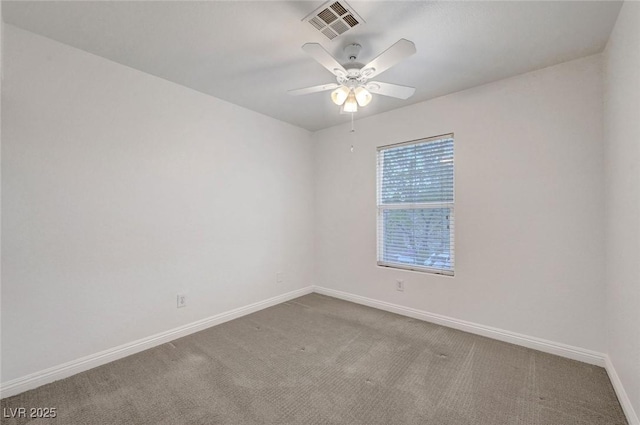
(334, 18)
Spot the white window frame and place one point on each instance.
(406, 206)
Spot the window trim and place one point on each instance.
(380, 208)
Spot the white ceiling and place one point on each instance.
(248, 53)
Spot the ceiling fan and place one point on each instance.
(353, 87)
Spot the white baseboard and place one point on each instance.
(563, 350)
(55, 373)
(34, 380)
(623, 397)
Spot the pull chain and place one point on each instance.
(352, 130)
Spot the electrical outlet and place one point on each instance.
(182, 300)
(279, 277)
(400, 285)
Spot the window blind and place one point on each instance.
(416, 205)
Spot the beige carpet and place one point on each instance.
(318, 360)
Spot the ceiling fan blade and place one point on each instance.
(324, 58)
(314, 89)
(385, 60)
(392, 90)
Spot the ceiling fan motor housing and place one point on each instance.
(353, 77)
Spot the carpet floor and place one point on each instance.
(319, 360)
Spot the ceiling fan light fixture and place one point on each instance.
(340, 95)
(362, 95)
(350, 105)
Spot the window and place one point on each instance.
(415, 205)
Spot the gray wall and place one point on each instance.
(529, 205)
(622, 168)
(120, 190)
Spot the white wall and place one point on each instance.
(622, 171)
(529, 210)
(120, 190)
